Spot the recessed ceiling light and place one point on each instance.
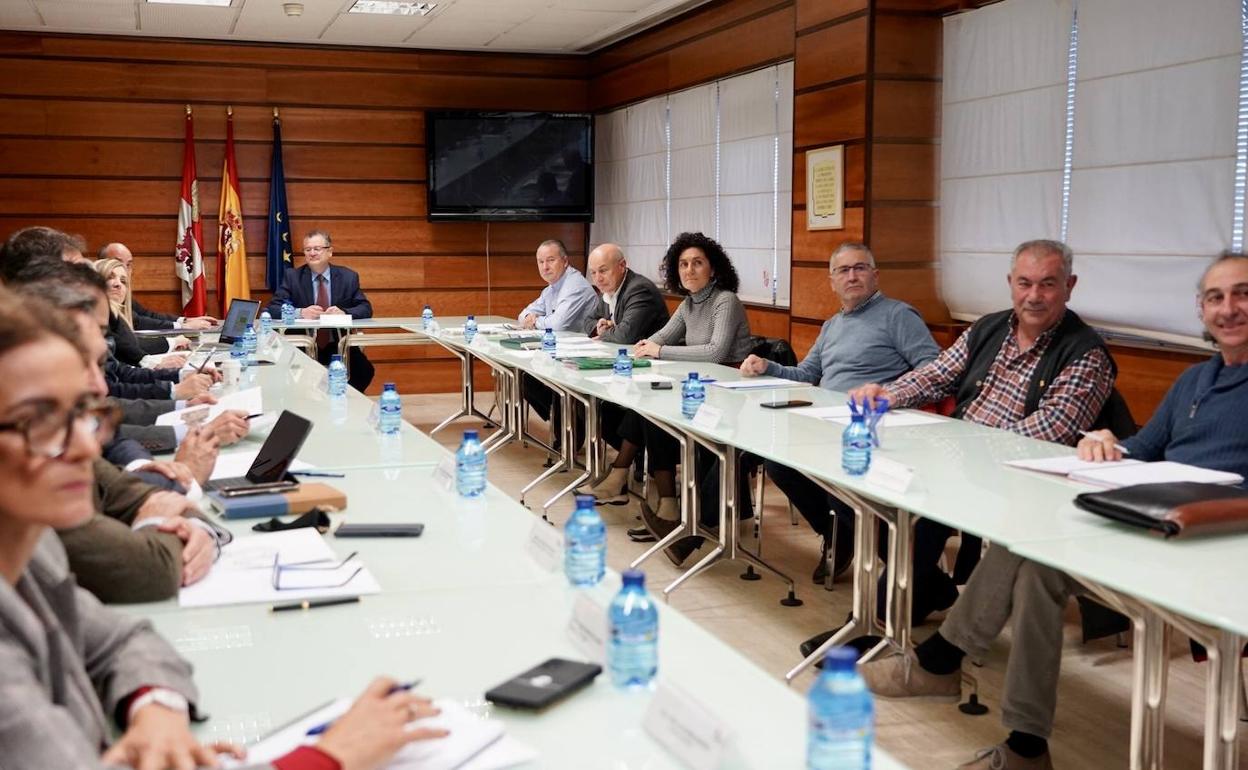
(393, 7)
(213, 3)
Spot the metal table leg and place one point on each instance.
(568, 429)
(862, 620)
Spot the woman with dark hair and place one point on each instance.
(709, 326)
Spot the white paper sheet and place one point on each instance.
(235, 463)
(244, 573)
(840, 414)
(758, 383)
(337, 320)
(250, 401)
(1065, 465)
(473, 744)
(610, 378)
(1127, 474)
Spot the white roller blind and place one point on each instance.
(715, 159)
(1154, 158)
(1002, 144)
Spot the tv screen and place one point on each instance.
(510, 166)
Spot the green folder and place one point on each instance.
(590, 363)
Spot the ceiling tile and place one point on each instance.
(19, 14)
(372, 29)
(627, 6)
(186, 20)
(265, 20)
(84, 16)
(490, 12)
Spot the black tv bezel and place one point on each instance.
(494, 213)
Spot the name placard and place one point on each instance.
(444, 474)
(588, 628)
(686, 728)
(708, 417)
(545, 546)
(889, 474)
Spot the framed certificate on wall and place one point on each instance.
(825, 188)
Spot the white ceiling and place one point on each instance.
(534, 26)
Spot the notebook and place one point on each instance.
(1126, 474)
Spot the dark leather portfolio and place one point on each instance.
(1176, 509)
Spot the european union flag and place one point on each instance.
(280, 252)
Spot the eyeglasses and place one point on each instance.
(315, 249)
(48, 433)
(861, 267)
(300, 576)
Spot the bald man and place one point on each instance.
(630, 307)
(144, 318)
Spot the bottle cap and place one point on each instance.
(693, 375)
(840, 659)
(549, 330)
(472, 318)
(470, 434)
(623, 351)
(634, 577)
(388, 386)
(335, 357)
(585, 501)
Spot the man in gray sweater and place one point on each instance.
(871, 339)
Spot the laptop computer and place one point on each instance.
(268, 472)
(241, 313)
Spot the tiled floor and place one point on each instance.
(1093, 717)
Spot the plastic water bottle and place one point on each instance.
(288, 313)
(426, 318)
(549, 343)
(470, 466)
(390, 409)
(856, 446)
(623, 366)
(842, 716)
(238, 352)
(470, 328)
(266, 325)
(692, 394)
(337, 377)
(633, 646)
(250, 341)
(585, 544)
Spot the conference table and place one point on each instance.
(948, 471)
(464, 607)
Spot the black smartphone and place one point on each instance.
(784, 404)
(660, 385)
(543, 685)
(360, 529)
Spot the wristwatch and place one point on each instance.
(161, 696)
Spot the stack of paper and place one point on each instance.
(1125, 473)
(610, 378)
(473, 743)
(244, 573)
(236, 462)
(250, 401)
(758, 383)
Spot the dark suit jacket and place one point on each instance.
(344, 293)
(639, 311)
(150, 319)
(344, 288)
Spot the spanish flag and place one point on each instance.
(231, 250)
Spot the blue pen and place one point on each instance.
(321, 728)
(320, 474)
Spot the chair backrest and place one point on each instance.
(775, 349)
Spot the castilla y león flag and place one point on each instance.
(231, 249)
(188, 254)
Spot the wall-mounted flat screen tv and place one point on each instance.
(534, 166)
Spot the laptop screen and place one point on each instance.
(280, 448)
(241, 313)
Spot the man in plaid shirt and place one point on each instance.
(1040, 371)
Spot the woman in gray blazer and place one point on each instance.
(74, 672)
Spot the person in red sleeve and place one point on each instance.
(69, 665)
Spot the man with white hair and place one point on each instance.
(630, 308)
(1040, 371)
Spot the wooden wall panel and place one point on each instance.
(906, 109)
(818, 245)
(803, 336)
(908, 45)
(814, 12)
(830, 115)
(91, 132)
(831, 53)
(904, 172)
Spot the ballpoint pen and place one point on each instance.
(321, 728)
(321, 474)
(1117, 446)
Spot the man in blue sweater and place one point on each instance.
(871, 339)
(1203, 421)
